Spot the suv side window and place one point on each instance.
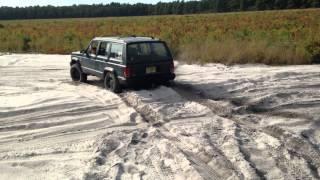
(104, 49)
(116, 51)
(92, 50)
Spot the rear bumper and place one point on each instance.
(154, 78)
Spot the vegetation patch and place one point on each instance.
(270, 37)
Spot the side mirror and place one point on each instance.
(84, 52)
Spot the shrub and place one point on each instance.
(314, 50)
(26, 43)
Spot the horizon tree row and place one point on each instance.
(141, 9)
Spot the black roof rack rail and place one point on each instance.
(135, 36)
(142, 36)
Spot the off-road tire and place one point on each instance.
(76, 74)
(111, 82)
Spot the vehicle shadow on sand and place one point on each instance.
(99, 83)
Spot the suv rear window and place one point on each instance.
(148, 51)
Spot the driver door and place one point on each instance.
(88, 61)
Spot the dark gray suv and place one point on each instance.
(124, 61)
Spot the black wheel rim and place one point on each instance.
(75, 74)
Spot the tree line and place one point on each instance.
(161, 8)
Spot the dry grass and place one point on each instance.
(242, 52)
(271, 37)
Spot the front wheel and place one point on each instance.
(111, 82)
(76, 74)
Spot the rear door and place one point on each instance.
(149, 58)
(116, 58)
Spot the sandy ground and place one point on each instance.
(215, 122)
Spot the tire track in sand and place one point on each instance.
(166, 128)
(308, 167)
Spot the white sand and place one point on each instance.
(218, 122)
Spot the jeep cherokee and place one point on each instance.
(124, 61)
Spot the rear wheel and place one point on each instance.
(76, 74)
(111, 82)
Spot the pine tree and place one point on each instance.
(242, 5)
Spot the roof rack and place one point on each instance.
(151, 37)
(129, 38)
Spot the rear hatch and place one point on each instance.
(148, 58)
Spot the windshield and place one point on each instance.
(148, 51)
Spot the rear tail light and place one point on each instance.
(127, 72)
(172, 67)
